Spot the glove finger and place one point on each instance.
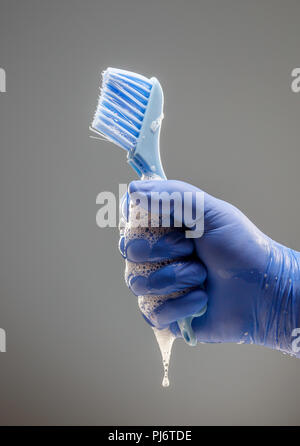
(170, 246)
(168, 279)
(177, 201)
(179, 308)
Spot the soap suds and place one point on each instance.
(165, 341)
(156, 123)
(147, 304)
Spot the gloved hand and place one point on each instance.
(249, 282)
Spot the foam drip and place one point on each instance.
(148, 304)
(165, 341)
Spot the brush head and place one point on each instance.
(129, 114)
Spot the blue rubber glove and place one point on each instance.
(250, 283)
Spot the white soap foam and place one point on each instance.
(147, 304)
(165, 339)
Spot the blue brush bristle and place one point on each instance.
(122, 105)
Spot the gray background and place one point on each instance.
(78, 351)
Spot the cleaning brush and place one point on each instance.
(129, 114)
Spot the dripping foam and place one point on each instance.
(147, 304)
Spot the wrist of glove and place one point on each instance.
(278, 314)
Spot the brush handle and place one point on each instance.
(185, 326)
